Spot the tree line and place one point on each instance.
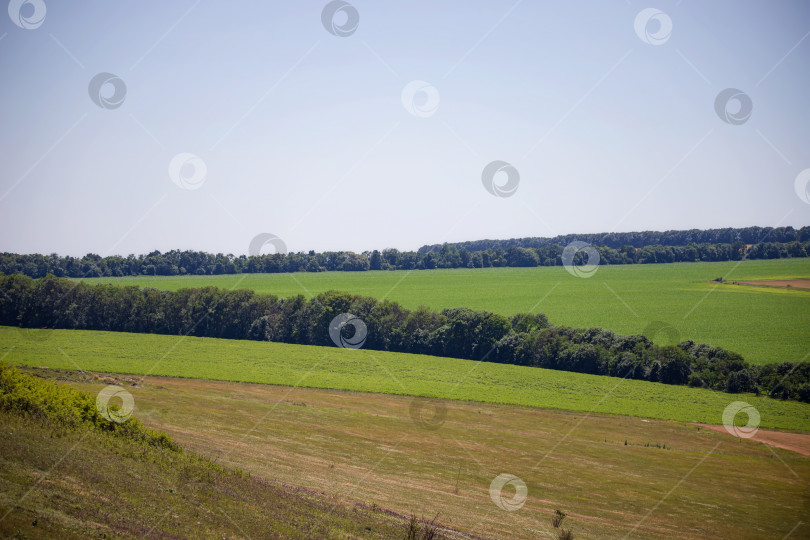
(175, 262)
(524, 339)
(747, 235)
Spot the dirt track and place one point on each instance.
(800, 283)
(795, 442)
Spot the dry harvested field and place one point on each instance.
(614, 476)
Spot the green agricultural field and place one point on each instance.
(374, 371)
(764, 324)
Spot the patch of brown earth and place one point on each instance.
(799, 283)
(795, 442)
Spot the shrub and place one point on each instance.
(565, 534)
(428, 530)
(559, 516)
(33, 397)
(412, 529)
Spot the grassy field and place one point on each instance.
(616, 477)
(764, 324)
(373, 371)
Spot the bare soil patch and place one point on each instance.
(799, 283)
(795, 442)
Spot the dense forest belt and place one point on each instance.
(747, 236)
(523, 339)
(524, 252)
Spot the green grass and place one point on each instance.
(373, 371)
(763, 324)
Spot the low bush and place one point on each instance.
(36, 398)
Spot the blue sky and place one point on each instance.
(305, 135)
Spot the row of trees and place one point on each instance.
(747, 235)
(176, 262)
(524, 339)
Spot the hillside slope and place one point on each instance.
(615, 476)
(58, 481)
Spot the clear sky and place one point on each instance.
(606, 117)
